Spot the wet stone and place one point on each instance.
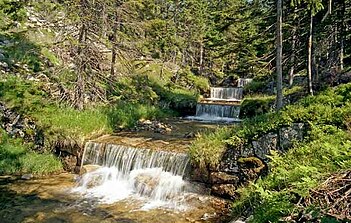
(27, 176)
(224, 190)
(223, 178)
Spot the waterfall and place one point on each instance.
(215, 110)
(226, 93)
(126, 171)
(243, 81)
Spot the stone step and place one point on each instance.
(217, 101)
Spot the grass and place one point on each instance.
(207, 149)
(125, 115)
(17, 158)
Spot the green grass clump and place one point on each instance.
(17, 158)
(207, 149)
(126, 115)
(254, 106)
(68, 121)
(27, 98)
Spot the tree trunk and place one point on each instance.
(342, 35)
(114, 40)
(293, 53)
(309, 63)
(279, 56)
(201, 65)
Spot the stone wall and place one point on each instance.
(239, 166)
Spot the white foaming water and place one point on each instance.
(153, 176)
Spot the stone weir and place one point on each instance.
(116, 172)
(223, 105)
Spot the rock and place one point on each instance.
(69, 162)
(2, 56)
(208, 216)
(223, 178)
(291, 134)
(247, 151)
(89, 168)
(229, 161)
(27, 176)
(240, 220)
(189, 135)
(4, 65)
(224, 190)
(264, 145)
(251, 168)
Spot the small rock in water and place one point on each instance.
(27, 176)
(238, 221)
(207, 216)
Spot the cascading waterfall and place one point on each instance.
(130, 172)
(226, 93)
(223, 105)
(220, 111)
(244, 81)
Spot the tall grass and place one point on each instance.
(17, 158)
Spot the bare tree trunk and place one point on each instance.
(342, 35)
(279, 55)
(293, 53)
(309, 63)
(201, 65)
(114, 41)
(80, 87)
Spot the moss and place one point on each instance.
(252, 162)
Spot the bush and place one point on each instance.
(252, 107)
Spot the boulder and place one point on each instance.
(264, 145)
(251, 168)
(291, 134)
(223, 178)
(224, 190)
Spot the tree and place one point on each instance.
(279, 67)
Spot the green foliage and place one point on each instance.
(208, 148)
(27, 98)
(68, 122)
(22, 51)
(16, 158)
(293, 174)
(326, 149)
(148, 90)
(11, 12)
(125, 115)
(251, 107)
(21, 95)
